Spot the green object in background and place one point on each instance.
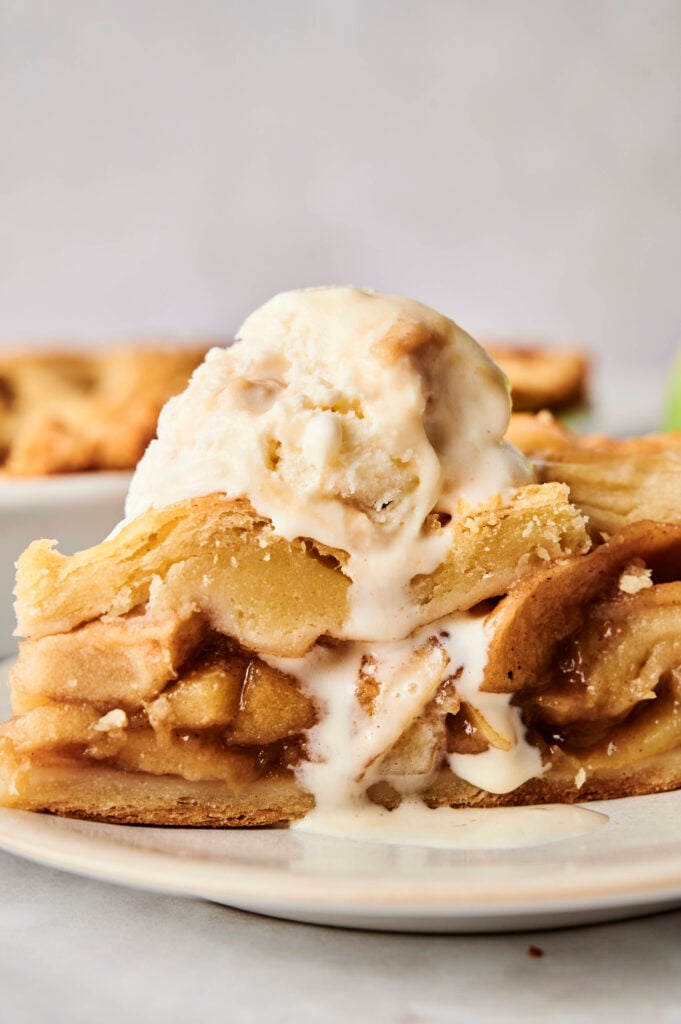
(671, 419)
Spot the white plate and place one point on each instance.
(630, 866)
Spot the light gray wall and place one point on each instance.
(167, 165)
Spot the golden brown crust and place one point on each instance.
(217, 557)
(564, 784)
(613, 482)
(542, 377)
(98, 793)
(498, 544)
(536, 433)
(65, 412)
(210, 556)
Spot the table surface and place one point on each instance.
(80, 950)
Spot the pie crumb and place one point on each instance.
(634, 578)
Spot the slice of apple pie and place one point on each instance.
(337, 584)
(139, 696)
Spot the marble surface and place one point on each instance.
(72, 949)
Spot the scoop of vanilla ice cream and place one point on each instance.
(340, 406)
(348, 417)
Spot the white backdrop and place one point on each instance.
(165, 165)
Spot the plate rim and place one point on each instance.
(31, 835)
(62, 488)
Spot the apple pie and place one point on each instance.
(68, 412)
(138, 696)
(613, 482)
(542, 377)
(337, 585)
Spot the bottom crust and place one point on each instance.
(654, 775)
(107, 795)
(104, 794)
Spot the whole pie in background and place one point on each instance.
(66, 412)
(542, 377)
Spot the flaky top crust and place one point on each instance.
(218, 556)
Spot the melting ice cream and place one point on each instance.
(349, 417)
(358, 420)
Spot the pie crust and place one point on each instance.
(64, 412)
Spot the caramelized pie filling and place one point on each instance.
(224, 715)
(598, 686)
